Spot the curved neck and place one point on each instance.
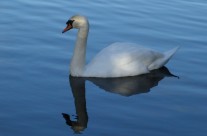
(77, 64)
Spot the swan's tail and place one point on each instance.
(163, 60)
(170, 53)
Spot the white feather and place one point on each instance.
(116, 60)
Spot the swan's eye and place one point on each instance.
(70, 22)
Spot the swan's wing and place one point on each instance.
(121, 59)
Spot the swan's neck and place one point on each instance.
(77, 65)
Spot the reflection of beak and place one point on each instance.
(68, 27)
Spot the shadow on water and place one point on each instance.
(125, 86)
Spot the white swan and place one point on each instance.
(116, 60)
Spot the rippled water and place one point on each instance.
(39, 98)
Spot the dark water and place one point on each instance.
(39, 98)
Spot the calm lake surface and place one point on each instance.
(39, 98)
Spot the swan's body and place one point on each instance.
(116, 60)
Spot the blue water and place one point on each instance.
(36, 90)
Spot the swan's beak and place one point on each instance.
(68, 27)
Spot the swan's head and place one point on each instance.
(76, 22)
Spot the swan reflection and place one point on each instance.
(125, 86)
(128, 86)
(78, 91)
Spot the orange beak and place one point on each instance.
(68, 27)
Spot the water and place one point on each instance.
(35, 88)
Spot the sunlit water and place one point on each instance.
(39, 98)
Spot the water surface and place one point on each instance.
(36, 90)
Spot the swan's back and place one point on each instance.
(124, 59)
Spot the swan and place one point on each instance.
(116, 60)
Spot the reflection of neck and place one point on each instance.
(78, 90)
(78, 60)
